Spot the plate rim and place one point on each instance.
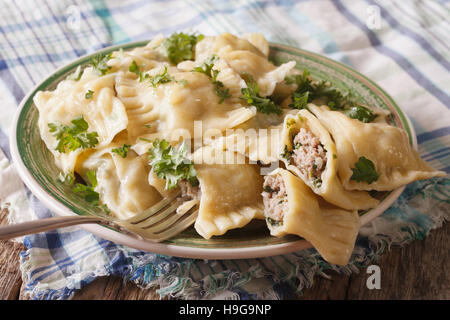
(187, 251)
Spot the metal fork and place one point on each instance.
(158, 223)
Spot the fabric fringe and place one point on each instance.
(174, 277)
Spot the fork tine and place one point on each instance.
(154, 209)
(169, 219)
(159, 216)
(178, 228)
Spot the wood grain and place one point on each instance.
(10, 275)
(417, 271)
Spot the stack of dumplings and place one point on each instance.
(130, 117)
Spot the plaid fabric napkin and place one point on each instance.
(402, 45)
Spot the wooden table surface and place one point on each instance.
(417, 271)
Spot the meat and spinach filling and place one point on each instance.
(309, 155)
(275, 199)
(188, 191)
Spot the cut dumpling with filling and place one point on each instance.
(290, 207)
(230, 194)
(310, 153)
(228, 191)
(372, 156)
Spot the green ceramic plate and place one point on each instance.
(36, 166)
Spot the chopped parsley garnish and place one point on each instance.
(268, 189)
(134, 68)
(89, 94)
(75, 76)
(361, 113)
(251, 95)
(122, 151)
(364, 171)
(73, 137)
(171, 164)
(180, 46)
(66, 178)
(99, 63)
(337, 100)
(206, 66)
(161, 78)
(207, 69)
(219, 88)
(307, 91)
(299, 100)
(87, 191)
(301, 96)
(286, 153)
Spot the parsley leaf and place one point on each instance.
(364, 171)
(73, 137)
(99, 63)
(361, 113)
(66, 178)
(171, 164)
(307, 91)
(206, 66)
(89, 94)
(220, 90)
(251, 95)
(87, 191)
(122, 151)
(134, 68)
(207, 69)
(299, 100)
(157, 79)
(76, 75)
(303, 81)
(180, 46)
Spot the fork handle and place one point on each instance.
(41, 225)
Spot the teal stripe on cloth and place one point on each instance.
(118, 35)
(35, 40)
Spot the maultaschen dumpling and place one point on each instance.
(310, 153)
(290, 207)
(382, 148)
